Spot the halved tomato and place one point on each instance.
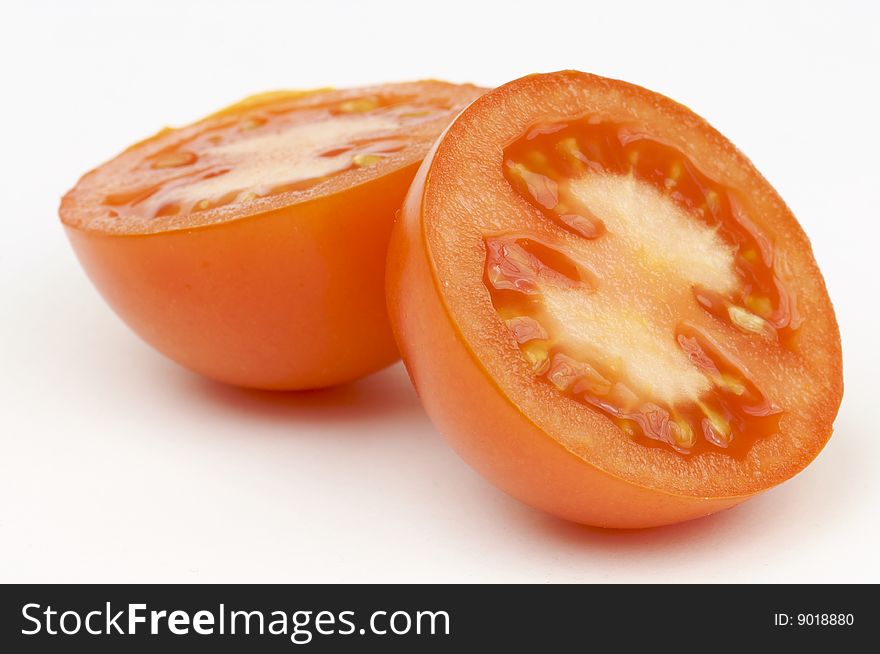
(250, 246)
(607, 310)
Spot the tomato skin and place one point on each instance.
(483, 426)
(289, 299)
(481, 421)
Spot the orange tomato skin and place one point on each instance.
(290, 299)
(483, 426)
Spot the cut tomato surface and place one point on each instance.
(250, 245)
(607, 310)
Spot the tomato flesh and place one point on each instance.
(722, 406)
(268, 151)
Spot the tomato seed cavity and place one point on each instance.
(545, 297)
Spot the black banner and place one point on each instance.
(236, 618)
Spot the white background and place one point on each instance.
(116, 465)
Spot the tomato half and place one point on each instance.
(250, 246)
(607, 310)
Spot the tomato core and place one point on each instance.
(630, 207)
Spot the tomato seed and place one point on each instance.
(747, 321)
(358, 106)
(174, 159)
(363, 160)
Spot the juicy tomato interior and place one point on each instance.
(258, 150)
(640, 354)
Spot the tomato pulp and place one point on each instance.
(250, 246)
(606, 308)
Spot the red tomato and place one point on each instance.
(607, 310)
(250, 246)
